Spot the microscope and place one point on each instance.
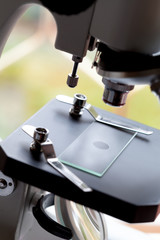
(71, 151)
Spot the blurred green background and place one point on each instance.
(40, 74)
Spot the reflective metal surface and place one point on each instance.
(100, 119)
(50, 155)
(85, 223)
(7, 185)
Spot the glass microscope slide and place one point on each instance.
(97, 148)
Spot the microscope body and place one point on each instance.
(126, 35)
(123, 26)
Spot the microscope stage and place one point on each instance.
(121, 167)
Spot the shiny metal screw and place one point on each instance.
(40, 135)
(3, 183)
(72, 79)
(7, 185)
(78, 105)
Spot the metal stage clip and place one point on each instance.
(80, 98)
(42, 143)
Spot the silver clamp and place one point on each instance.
(41, 143)
(96, 116)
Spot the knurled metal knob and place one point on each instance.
(78, 104)
(40, 135)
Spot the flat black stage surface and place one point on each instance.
(122, 169)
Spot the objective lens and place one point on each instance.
(115, 94)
